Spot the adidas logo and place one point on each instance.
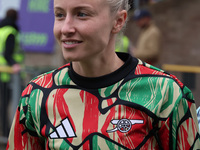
(64, 130)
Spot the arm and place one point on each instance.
(185, 130)
(23, 134)
(179, 130)
(19, 138)
(10, 46)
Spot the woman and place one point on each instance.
(101, 100)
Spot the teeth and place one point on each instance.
(71, 42)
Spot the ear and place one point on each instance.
(119, 21)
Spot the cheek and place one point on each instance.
(99, 39)
(56, 31)
(104, 32)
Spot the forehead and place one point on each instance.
(74, 3)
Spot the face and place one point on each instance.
(143, 22)
(83, 28)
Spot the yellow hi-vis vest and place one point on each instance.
(18, 54)
(122, 46)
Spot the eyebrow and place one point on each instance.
(58, 8)
(76, 8)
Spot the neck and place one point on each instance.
(146, 25)
(98, 67)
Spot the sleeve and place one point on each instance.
(10, 45)
(23, 135)
(185, 129)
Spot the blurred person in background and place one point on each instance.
(123, 44)
(102, 99)
(11, 55)
(148, 46)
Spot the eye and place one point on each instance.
(81, 14)
(59, 15)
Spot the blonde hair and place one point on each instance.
(117, 5)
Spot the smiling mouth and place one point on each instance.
(72, 42)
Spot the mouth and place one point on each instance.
(68, 44)
(72, 42)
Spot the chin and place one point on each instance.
(70, 59)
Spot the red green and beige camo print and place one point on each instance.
(146, 109)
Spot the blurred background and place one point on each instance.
(178, 21)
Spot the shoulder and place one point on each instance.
(9, 28)
(47, 79)
(162, 89)
(145, 69)
(154, 29)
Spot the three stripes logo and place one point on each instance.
(64, 130)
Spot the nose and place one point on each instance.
(68, 27)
